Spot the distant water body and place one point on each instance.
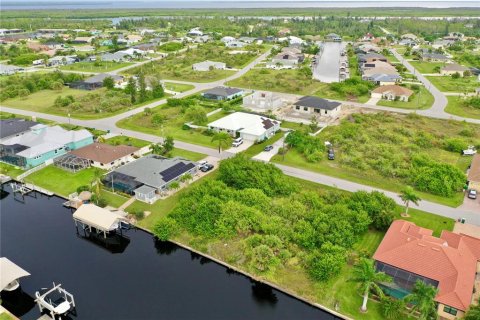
(75, 4)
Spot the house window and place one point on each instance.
(297, 107)
(316, 110)
(450, 310)
(305, 108)
(326, 112)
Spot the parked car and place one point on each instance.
(206, 167)
(268, 148)
(470, 151)
(472, 194)
(331, 154)
(202, 163)
(237, 142)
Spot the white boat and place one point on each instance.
(10, 273)
(56, 300)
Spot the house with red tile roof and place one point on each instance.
(450, 263)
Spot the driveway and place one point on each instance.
(372, 101)
(267, 155)
(470, 204)
(244, 146)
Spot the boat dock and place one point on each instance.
(102, 220)
(25, 188)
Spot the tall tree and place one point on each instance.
(97, 182)
(157, 88)
(422, 299)
(223, 139)
(108, 83)
(168, 144)
(367, 277)
(131, 89)
(408, 195)
(142, 88)
(156, 148)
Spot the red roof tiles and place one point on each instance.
(451, 259)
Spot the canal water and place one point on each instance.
(134, 277)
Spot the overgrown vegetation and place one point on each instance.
(407, 149)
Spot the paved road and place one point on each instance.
(471, 217)
(327, 67)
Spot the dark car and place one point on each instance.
(331, 154)
(206, 167)
(268, 148)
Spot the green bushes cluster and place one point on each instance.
(404, 148)
(94, 102)
(16, 85)
(352, 87)
(276, 225)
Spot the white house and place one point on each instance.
(206, 65)
(318, 106)
(250, 127)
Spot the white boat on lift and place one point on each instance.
(10, 273)
(56, 300)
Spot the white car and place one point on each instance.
(470, 151)
(202, 163)
(237, 142)
(472, 194)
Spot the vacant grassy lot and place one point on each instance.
(421, 100)
(426, 67)
(60, 181)
(292, 275)
(179, 66)
(457, 107)
(187, 154)
(172, 125)
(178, 87)
(42, 101)
(290, 81)
(448, 84)
(100, 66)
(382, 147)
(129, 141)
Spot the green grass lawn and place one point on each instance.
(60, 181)
(421, 100)
(113, 199)
(10, 170)
(293, 125)
(426, 67)
(456, 107)
(100, 66)
(187, 154)
(448, 84)
(173, 126)
(6, 316)
(129, 141)
(178, 87)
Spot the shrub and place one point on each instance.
(455, 145)
(327, 262)
(165, 228)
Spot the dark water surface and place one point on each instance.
(146, 280)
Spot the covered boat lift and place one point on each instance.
(9, 275)
(102, 220)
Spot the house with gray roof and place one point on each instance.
(14, 127)
(41, 144)
(318, 106)
(148, 177)
(115, 57)
(434, 57)
(383, 79)
(95, 81)
(222, 93)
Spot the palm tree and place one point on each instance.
(365, 274)
(97, 182)
(408, 195)
(223, 139)
(392, 308)
(422, 299)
